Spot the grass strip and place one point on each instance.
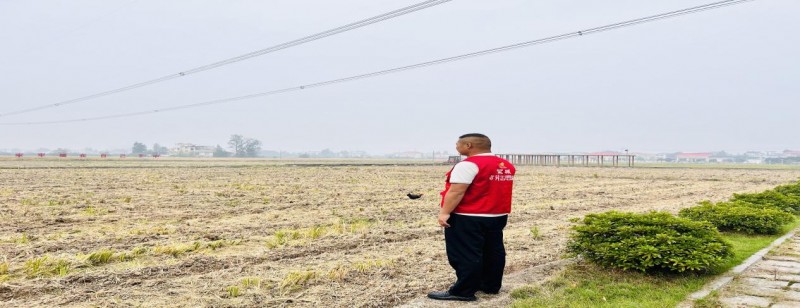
(587, 285)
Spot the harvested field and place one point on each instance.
(272, 233)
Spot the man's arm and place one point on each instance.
(451, 200)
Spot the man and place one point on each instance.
(474, 210)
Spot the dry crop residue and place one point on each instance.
(244, 233)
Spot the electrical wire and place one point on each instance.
(314, 37)
(540, 41)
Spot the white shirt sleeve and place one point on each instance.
(463, 173)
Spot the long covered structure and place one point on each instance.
(610, 160)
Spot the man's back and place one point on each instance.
(490, 189)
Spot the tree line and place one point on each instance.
(239, 147)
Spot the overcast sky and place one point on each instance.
(725, 79)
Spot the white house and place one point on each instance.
(188, 149)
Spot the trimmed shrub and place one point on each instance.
(771, 199)
(739, 217)
(792, 190)
(656, 241)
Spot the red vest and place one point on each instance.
(490, 191)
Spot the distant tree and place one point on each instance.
(220, 152)
(158, 149)
(139, 148)
(252, 147)
(720, 154)
(244, 147)
(59, 151)
(326, 153)
(237, 144)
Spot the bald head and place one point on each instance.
(471, 144)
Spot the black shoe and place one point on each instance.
(446, 296)
(490, 292)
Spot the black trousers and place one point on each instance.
(475, 250)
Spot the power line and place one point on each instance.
(314, 37)
(540, 41)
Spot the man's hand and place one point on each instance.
(443, 219)
(451, 199)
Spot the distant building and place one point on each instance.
(410, 154)
(693, 157)
(192, 150)
(722, 157)
(648, 157)
(789, 153)
(755, 154)
(773, 154)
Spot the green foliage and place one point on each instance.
(23, 239)
(535, 233)
(94, 211)
(139, 251)
(56, 202)
(138, 148)
(102, 256)
(158, 149)
(771, 199)
(233, 291)
(294, 280)
(368, 265)
(46, 267)
(244, 147)
(294, 237)
(177, 250)
(739, 217)
(34, 267)
(527, 291)
(282, 237)
(710, 301)
(249, 282)
(222, 243)
(587, 285)
(655, 241)
(220, 152)
(791, 190)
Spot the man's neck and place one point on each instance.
(478, 153)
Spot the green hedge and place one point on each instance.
(739, 217)
(772, 199)
(792, 190)
(655, 241)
